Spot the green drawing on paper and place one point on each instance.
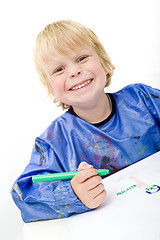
(126, 190)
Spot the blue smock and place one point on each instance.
(129, 134)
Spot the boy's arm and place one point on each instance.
(46, 200)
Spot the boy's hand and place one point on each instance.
(87, 186)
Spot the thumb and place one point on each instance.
(84, 165)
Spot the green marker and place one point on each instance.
(62, 176)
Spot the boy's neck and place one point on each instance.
(99, 112)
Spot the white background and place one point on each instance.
(130, 32)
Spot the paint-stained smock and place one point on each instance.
(129, 134)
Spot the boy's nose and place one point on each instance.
(76, 74)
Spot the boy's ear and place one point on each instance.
(107, 75)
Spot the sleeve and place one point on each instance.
(151, 97)
(45, 200)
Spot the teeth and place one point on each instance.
(81, 85)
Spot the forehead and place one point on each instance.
(56, 56)
(66, 49)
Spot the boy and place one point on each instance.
(98, 130)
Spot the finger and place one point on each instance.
(92, 182)
(98, 199)
(84, 165)
(86, 174)
(97, 190)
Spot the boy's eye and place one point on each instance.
(81, 58)
(59, 69)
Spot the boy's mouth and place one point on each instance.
(79, 86)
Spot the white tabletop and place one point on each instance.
(131, 210)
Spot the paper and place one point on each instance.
(132, 207)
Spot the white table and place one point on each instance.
(128, 213)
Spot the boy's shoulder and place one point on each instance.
(135, 94)
(133, 89)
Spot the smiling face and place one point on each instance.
(67, 38)
(78, 78)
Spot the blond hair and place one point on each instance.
(63, 35)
